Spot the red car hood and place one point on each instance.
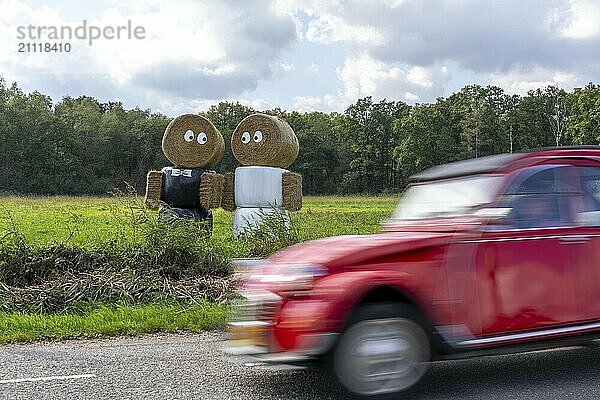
(348, 250)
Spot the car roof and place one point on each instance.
(489, 164)
(467, 167)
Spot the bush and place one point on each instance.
(174, 260)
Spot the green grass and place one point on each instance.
(94, 223)
(111, 320)
(89, 221)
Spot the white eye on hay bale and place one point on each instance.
(192, 141)
(264, 140)
(188, 189)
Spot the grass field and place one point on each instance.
(97, 226)
(85, 221)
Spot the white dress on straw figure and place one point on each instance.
(262, 188)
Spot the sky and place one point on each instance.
(299, 55)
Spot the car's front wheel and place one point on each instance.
(383, 350)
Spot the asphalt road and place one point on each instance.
(192, 366)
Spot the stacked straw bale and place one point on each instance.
(153, 189)
(228, 200)
(265, 145)
(193, 144)
(292, 191)
(211, 190)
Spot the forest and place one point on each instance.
(81, 146)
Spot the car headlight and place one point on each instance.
(295, 279)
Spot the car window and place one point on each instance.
(590, 184)
(588, 206)
(537, 182)
(538, 198)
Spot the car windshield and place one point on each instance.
(447, 198)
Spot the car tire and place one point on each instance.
(382, 351)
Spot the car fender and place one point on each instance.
(343, 292)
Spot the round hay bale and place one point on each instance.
(264, 140)
(192, 141)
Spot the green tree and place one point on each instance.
(481, 110)
(82, 146)
(318, 159)
(369, 139)
(583, 106)
(427, 139)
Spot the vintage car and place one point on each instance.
(494, 254)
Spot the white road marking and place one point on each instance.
(48, 378)
(253, 364)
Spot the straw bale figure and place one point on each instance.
(265, 145)
(188, 189)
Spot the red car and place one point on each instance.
(494, 254)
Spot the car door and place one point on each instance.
(526, 264)
(586, 208)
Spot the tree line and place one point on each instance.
(82, 146)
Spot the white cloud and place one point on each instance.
(522, 81)
(257, 104)
(287, 67)
(311, 8)
(411, 97)
(394, 3)
(192, 50)
(199, 53)
(584, 20)
(171, 107)
(485, 37)
(420, 76)
(330, 28)
(365, 76)
(398, 49)
(328, 102)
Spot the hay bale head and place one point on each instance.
(192, 141)
(264, 140)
